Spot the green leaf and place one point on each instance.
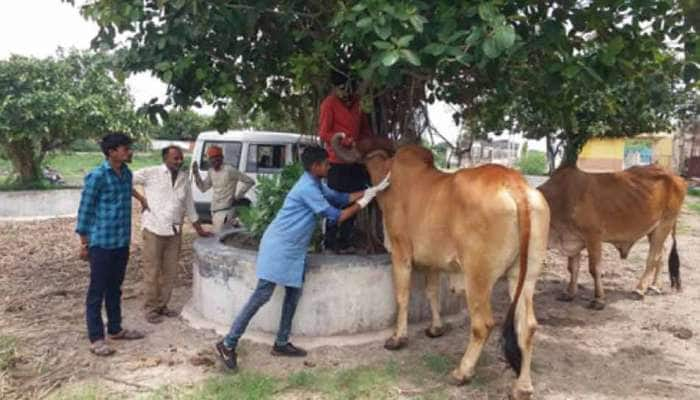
(390, 58)
(487, 12)
(417, 21)
(382, 45)
(434, 49)
(504, 37)
(616, 45)
(410, 57)
(359, 7)
(364, 22)
(383, 31)
(490, 48)
(404, 40)
(163, 66)
(592, 73)
(167, 76)
(571, 71)
(474, 36)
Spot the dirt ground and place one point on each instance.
(632, 349)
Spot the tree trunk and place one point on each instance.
(551, 154)
(26, 163)
(573, 146)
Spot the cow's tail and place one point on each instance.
(511, 348)
(674, 262)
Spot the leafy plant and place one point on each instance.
(533, 163)
(271, 191)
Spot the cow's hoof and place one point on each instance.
(457, 379)
(596, 305)
(521, 394)
(565, 297)
(436, 331)
(654, 290)
(638, 294)
(395, 344)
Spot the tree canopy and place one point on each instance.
(571, 68)
(46, 104)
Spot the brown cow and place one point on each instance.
(618, 208)
(482, 222)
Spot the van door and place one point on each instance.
(232, 156)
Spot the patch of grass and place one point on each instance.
(241, 386)
(695, 207)
(10, 184)
(365, 382)
(694, 192)
(438, 364)
(303, 379)
(8, 351)
(73, 167)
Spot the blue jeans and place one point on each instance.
(260, 296)
(107, 269)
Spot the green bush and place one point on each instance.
(270, 192)
(533, 163)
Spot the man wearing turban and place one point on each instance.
(223, 180)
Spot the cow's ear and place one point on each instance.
(388, 163)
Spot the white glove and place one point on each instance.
(366, 198)
(380, 186)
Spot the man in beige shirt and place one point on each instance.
(223, 178)
(168, 198)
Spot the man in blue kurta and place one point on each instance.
(282, 255)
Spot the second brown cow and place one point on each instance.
(620, 208)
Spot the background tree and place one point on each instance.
(569, 68)
(47, 104)
(181, 125)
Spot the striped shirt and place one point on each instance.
(104, 215)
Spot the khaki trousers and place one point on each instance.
(160, 254)
(222, 219)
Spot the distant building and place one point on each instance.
(616, 154)
(501, 151)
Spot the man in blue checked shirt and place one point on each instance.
(104, 226)
(282, 255)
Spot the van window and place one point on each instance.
(297, 149)
(265, 158)
(232, 153)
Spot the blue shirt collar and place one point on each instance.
(107, 166)
(312, 178)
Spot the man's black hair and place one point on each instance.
(166, 150)
(114, 140)
(339, 78)
(312, 155)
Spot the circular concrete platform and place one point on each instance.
(347, 299)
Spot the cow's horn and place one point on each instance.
(350, 155)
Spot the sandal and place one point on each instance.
(100, 348)
(166, 312)
(127, 334)
(154, 317)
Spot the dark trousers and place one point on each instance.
(345, 178)
(107, 269)
(260, 296)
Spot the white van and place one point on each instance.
(251, 152)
